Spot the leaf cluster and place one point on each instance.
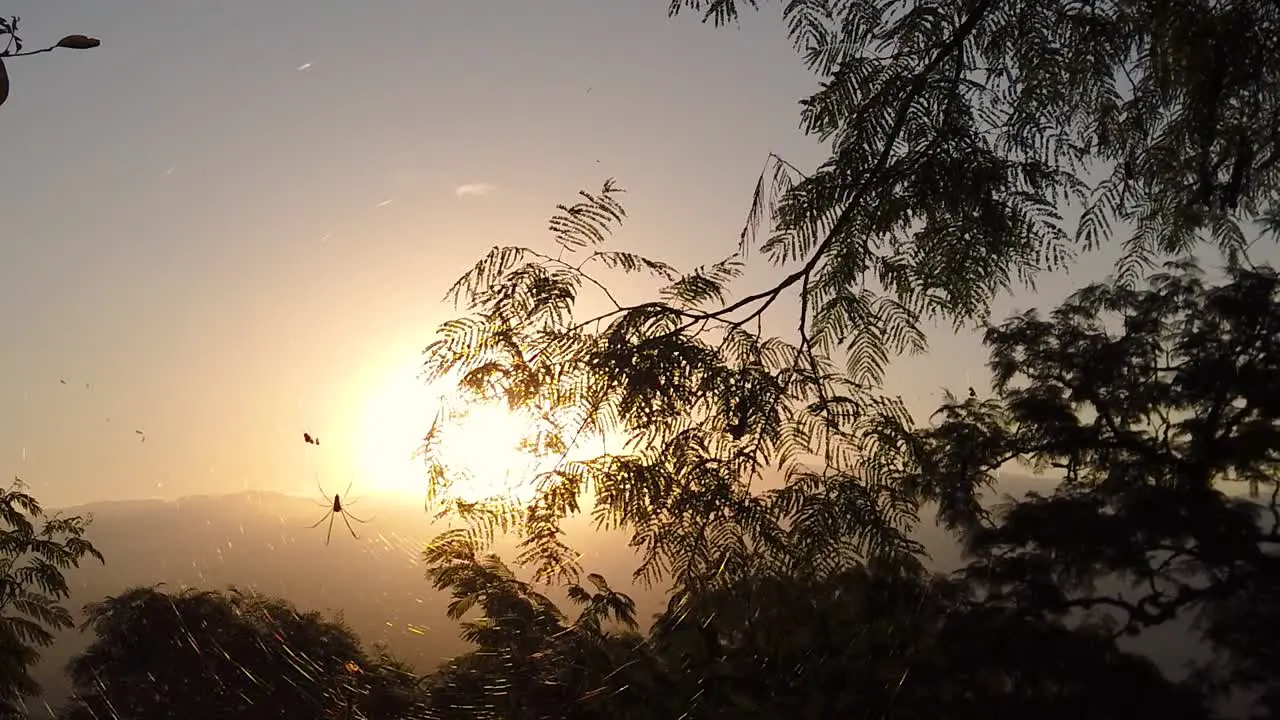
(36, 550)
(9, 33)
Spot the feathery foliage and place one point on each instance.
(530, 660)
(958, 130)
(36, 550)
(706, 410)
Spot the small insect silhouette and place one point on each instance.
(336, 508)
(141, 434)
(310, 439)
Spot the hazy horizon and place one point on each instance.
(259, 540)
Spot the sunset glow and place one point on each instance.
(393, 420)
(480, 444)
(480, 447)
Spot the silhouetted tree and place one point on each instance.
(203, 654)
(35, 551)
(1148, 402)
(13, 48)
(958, 131)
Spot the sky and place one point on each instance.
(235, 221)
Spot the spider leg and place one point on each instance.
(326, 517)
(347, 514)
(329, 535)
(328, 501)
(353, 530)
(349, 501)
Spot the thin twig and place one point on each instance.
(51, 48)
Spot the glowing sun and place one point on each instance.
(480, 445)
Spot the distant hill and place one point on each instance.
(261, 541)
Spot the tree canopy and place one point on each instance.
(958, 131)
(531, 660)
(206, 654)
(707, 414)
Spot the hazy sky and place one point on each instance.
(235, 220)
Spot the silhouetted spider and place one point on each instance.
(336, 509)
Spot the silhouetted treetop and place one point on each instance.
(961, 132)
(1146, 402)
(204, 654)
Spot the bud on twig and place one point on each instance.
(79, 42)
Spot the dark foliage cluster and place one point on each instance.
(871, 642)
